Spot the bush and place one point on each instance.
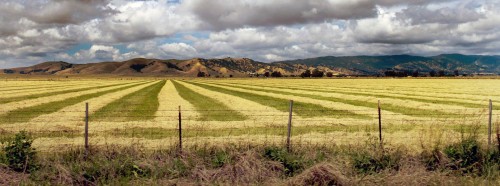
(465, 155)
(373, 162)
(19, 154)
(292, 163)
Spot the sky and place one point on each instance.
(82, 31)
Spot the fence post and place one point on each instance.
(379, 124)
(490, 114)
(289, 127)
(180, 130)
(86, 129)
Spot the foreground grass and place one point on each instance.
(232, 164)
(28, 113)
(137, 106)
(209, 108)
(305, 110)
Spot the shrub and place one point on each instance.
(372, 162)
(292, 163)
(465, 155)
(19, 154)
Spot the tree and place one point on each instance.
(329, 74)
(266, 74)
(456, 73)
(276, 74)
(432, 73)
(306, 73)
(441, 73)
(317, 73)
(415, 73)
(201, 74)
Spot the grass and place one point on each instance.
(162, 133)
(389, 107)
(246, 165)
(136, 106)
(305, 110)
(209, 108)
(45, 94)
(28, 113)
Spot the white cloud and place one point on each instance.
(34, 31)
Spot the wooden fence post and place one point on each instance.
(180, 130)
(379, 124)
(490, 114)
(86, 129)
(289, 127)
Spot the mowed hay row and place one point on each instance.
(460, 89)
(27, 113)
(303, 107)
(401, 106)
(140, 105)
(5, 85)
(257, 114)
(71, 117)
(210, 109)
(42, 86)
(167, 115)
(63, 85)
(466, 101)
(38, 94)
(46, 98)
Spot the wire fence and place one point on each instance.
(156, 128)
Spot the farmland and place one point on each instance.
(234, 131)
(246, 111)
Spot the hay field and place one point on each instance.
(415, 112)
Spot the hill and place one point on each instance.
(244, 67)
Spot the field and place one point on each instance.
(234, 131)
(246, 111)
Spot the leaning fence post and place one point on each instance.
(86, 129)
(379, 124)
(490, 114)
(180, 130)
(289, 127)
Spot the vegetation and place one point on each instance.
(209, 108)
(364, 164)
(19, 154)
(28, 113)
(302, 109)
(136, 106)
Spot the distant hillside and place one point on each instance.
(372, 65)
(244, 67)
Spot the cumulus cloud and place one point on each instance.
(223, 14)
(40, 30)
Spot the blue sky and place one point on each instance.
(115, 30)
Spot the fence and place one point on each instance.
(298, 126)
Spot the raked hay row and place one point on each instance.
(221, 111)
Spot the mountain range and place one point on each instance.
(244, 67)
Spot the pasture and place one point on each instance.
(414, 112)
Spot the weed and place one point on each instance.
(292, 163)
(19, 154)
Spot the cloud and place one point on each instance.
(223, 14)
(41, 30)
(179, 49)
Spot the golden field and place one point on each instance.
(415, 112)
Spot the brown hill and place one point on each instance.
(237, 67)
